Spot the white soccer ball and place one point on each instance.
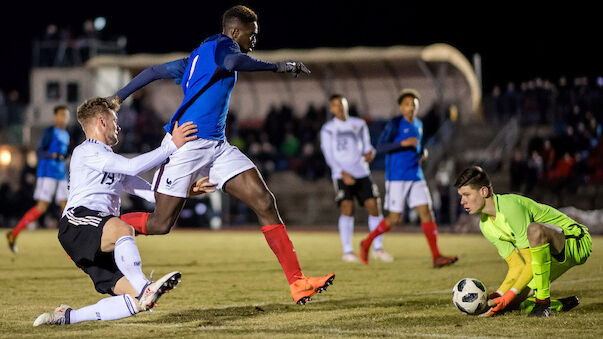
(469, 296)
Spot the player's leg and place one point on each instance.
(122, 305)
(249, 187)
(420, 199)
(395, 195)
(30, 216)
(368, 197)
(345, 225)
(545, 240)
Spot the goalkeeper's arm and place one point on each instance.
(519, 273)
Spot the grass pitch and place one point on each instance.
(233, 286)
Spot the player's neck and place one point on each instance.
(489, 207)
(96, 136)
(409, 119)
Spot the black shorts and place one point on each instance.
(80, 232)
(363, 189)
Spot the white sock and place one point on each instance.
(112, 308)
(346, 230)
(373, 222)
(129, 263)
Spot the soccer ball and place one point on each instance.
(469, 296)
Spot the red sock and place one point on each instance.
(32, 215)
(381, 228)
(431, 233)
(138, 220)
(279, 242)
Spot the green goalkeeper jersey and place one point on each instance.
(508, 230)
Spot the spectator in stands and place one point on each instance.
(517, 171)
(534, 172)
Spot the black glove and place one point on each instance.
(290, 66)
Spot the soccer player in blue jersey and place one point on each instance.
(52, 179)
(207, 78)
(405, 183)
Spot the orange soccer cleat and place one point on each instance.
(305, 287)
(442, 261)
(365, 246)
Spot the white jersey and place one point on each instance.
(97, 176)
(344, 144)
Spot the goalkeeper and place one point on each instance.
(538, 242)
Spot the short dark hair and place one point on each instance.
(408, 92)
(474, 177)
(336, 96)
(57, 108)
(240, 13)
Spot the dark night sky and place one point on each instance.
(517, 42)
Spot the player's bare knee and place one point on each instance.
(265, 203)
(536, 234)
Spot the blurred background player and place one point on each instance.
(90, 230)
(405, 183)
(52, 179)
(538, 242)
(207, 78)
(346, 146)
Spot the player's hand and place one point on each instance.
(369, 156)
(291, 66)
(347, 178)
(499, 304)
(182, 134)
(494, 295)
(409, 142)
(202, 186)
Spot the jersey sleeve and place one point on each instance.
(504, 248)
(115, 163)
(386, 142)
(519, 272)
(42, 150)
(229, 57)
(169, 70)
(519, 216)
(366, 138)
(137, 186)
(326, 145)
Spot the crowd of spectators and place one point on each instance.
(571, 153)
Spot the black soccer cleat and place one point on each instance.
(540, 310)
(569, 303)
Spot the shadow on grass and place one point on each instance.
(343, 311)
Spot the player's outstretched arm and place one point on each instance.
(115, 163)
(169, 70)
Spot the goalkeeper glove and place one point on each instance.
(494, 295)
(291, 66)
(499, 304)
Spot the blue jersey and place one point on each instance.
(54, 140)
(207, 85)
(401, 163)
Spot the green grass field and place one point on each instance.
(232, 285)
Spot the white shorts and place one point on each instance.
(400, 193)
(46, 188)
(196, 159)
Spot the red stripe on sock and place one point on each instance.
(138, 220)
(32, 215)
(279, 242)
(431, 234)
